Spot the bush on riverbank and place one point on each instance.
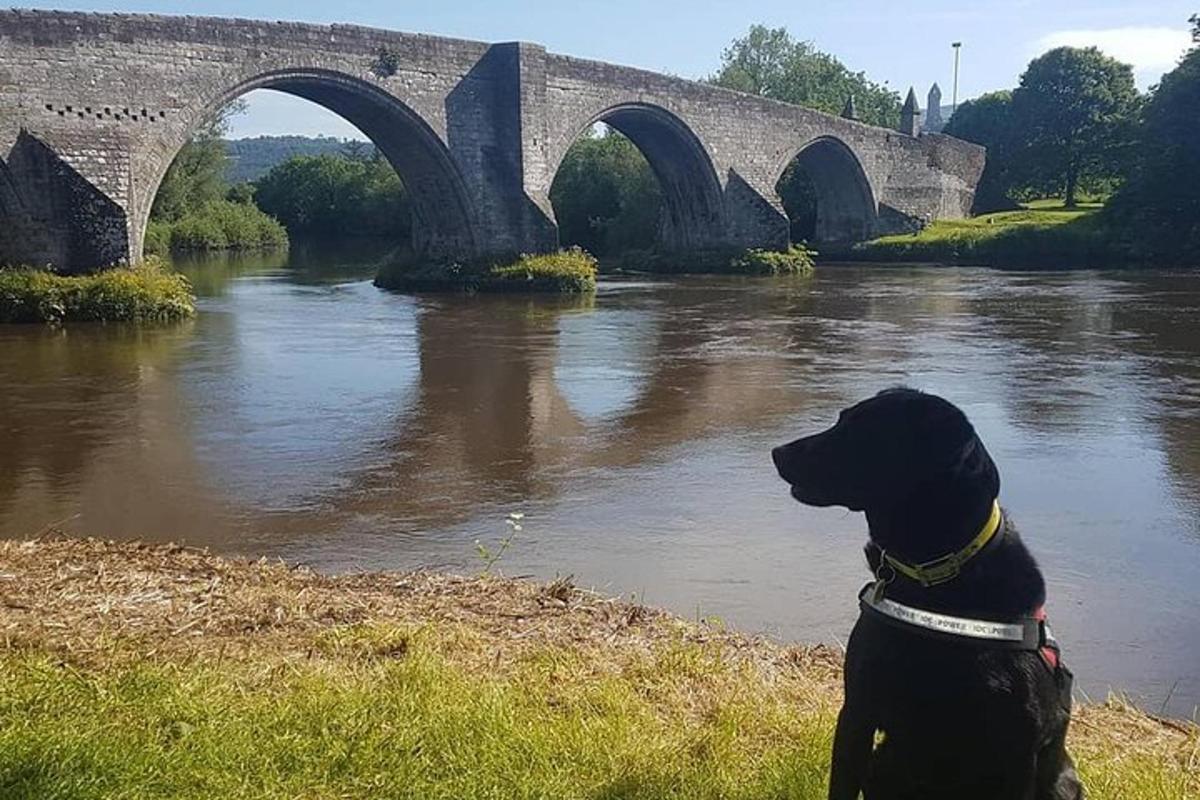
(570, 271)
(796, 260)
(1039, 237)
(146, 293)
(217, 225)
(132, 669)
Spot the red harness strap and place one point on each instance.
(1049, 650)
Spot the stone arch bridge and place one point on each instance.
(94, 107)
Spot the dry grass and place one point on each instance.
(78, 598)
(544, 671)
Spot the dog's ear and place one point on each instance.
(973, 468)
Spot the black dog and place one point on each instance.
(954, 688)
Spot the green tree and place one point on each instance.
(770, 63)
(196, 177)
(987, 120)
(605, 196)
(1159, 206)
(1072, 115)
(336, 196)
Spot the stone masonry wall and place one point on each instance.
(93, 108)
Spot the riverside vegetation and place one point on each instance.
(571, 271)
(1044, 234)
(145, 293)
(161, 671)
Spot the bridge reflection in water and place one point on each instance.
(307, 415)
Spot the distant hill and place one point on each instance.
(250, 159)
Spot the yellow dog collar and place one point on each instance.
(947, 567)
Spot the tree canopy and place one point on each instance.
(770, 63)
(358, 194)
(1073, 114)
(605, 196)
(1159, 206)
(196, 177)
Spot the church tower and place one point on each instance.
(933, 110)
(910, 115)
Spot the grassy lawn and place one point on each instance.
(1043, 234)
(160, 672)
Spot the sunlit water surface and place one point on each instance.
(307, 415)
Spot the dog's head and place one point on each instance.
(886, 451)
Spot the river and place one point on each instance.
(307, 415)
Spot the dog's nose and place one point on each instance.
(777, 455)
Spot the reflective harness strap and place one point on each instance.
(1024, 633)
(947, 567)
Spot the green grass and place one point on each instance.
(156, 671)
(220, 225)
(147, 293)
(412, 726)
(571, 271)
(1041, 235)
(400, 721)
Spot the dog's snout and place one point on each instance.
(784, 457)
(777, 457)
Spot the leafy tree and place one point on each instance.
(358, 150)
(242, 193)
(605, 196)
(1159, 206)
(331, 195)
(196, 177)
(987, 120)
(1073, 113)
(769, 62)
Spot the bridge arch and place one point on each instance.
(846, 208)
(443, 217)
(693, 209)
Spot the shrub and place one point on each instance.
(158, 238)
(218, 225)
(570, 271)
(198, 232)
(796, 260)
(146, 293)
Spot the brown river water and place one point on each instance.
(307, 415)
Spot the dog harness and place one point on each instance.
(1030, 633)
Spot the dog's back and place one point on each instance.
(955, 720)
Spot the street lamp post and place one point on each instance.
(954, 98)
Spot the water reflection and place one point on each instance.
(308, 415)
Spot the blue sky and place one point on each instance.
(901, 43)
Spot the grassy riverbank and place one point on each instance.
(158, 671)
(146, 293)
(1042, 235)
